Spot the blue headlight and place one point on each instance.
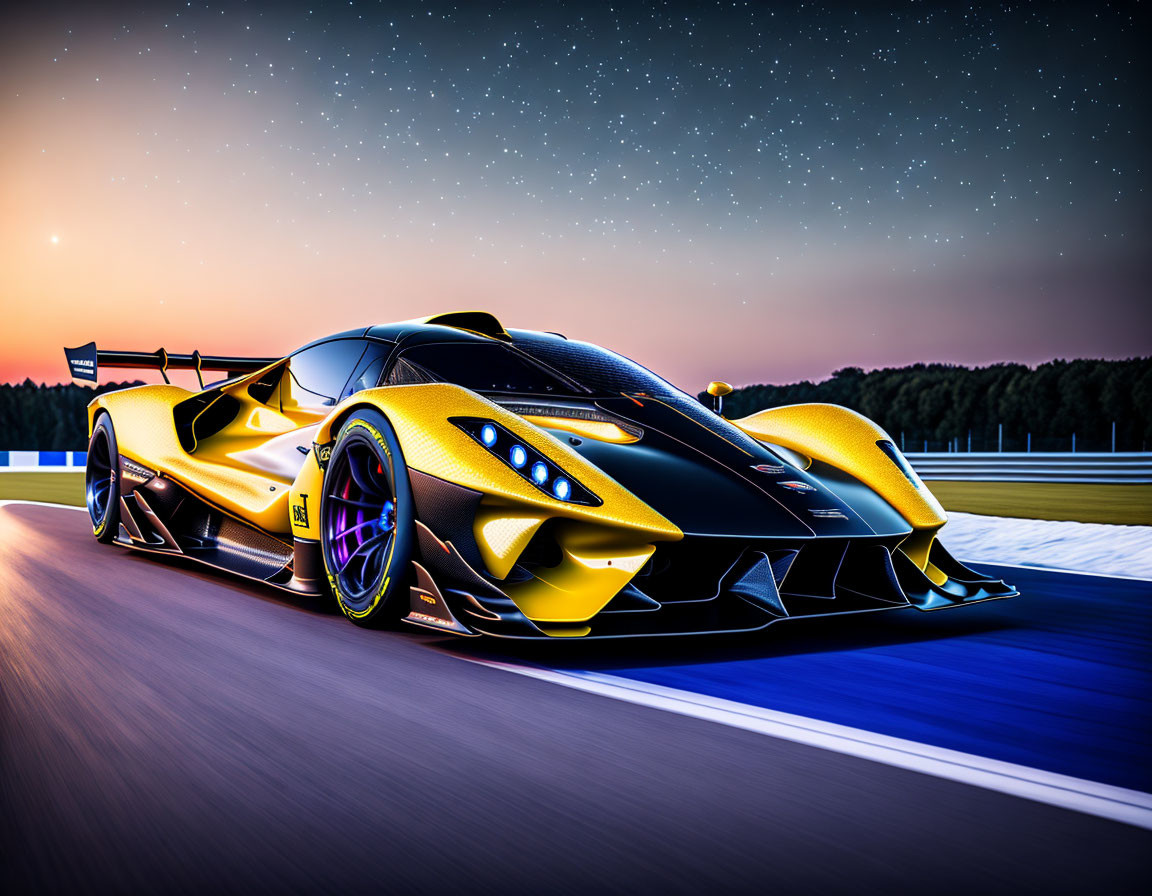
(528, 462)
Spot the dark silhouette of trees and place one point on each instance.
(46, 418)
(942, 404)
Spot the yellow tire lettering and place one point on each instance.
(348, 611)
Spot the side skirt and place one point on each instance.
(160, 516)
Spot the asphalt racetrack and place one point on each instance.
(167, 728)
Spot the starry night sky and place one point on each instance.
(747, 192)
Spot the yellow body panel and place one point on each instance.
(146, 433)
(502, 533)
(596, 564)
(846, 440)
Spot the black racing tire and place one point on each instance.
(367, 531)
(102, 481)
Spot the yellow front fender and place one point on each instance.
(848, 441)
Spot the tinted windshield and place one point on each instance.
(597, 369)
(319, 372)
(482, 367)
(368, 371)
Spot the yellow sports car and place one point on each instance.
(478, 480)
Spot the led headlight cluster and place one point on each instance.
(526, 460)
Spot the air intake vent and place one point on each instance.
(897, 458)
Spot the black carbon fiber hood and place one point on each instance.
(709, 478)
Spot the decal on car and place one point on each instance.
(300, 513)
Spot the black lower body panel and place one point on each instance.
(158, 514)
(717, 584)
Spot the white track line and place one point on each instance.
(1102, 800)
(26, 469)
(1061, 570)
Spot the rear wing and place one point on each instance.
(84, 363)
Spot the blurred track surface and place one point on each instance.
(1059, 678)
(167, 728)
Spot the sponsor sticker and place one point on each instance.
(797, 486)
(133, 472)
(82, 362)
(300, 513)
(323, 453)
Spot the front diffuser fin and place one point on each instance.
(757, 585)
(961, 585)
(428, 607)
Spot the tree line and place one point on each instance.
(943, 406)
(47, 418)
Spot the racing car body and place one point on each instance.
(478, 480)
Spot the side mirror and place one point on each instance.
(718, 390)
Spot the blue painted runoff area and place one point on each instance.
(1059, 678)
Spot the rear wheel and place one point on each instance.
(366, 529)
(101, 481)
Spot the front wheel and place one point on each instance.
(101, 481)
(366, 528)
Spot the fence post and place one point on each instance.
(901, 440)
(969, 442)
(1113, 436)
(999, 436)
(1073, 443)
(1029, 443)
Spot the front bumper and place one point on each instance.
(704, 585)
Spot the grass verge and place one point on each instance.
(1082, 502)
(55, 488)
(1079, 501)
